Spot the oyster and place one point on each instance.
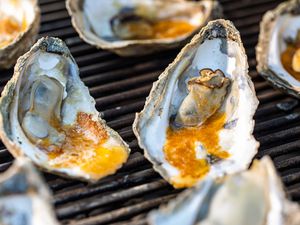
(19, 25)
(24, 197)
(134, 27)
(277, 52)
(198, 118)
(253, 197)
(48, 115)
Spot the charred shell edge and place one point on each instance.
(215, 29)
(141, 46)
(9, 54)
(51, 45)
(262, 48)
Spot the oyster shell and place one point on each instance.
(19, 26)
(24, 197)
(253, 197)
(198, 117)
(48, 115)
(279, 40)
(133, 27)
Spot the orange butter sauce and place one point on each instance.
(171, 28)
(166, 29)
(83, 147)
(180, 151)
(10, 29)
(287, 59)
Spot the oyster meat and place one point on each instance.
(253, 197)
(19, 25)
(48, 115)
(134, 27)
(24, 197)
(198, 118)
(278, 49)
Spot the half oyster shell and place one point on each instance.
(134, 27)
(253, 197)
(24, 197)
(19, 26)
(279, 41)
(48, 115)
(198, 118)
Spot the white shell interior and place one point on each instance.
(97, 14)
(239, 106)
(285, 26)
(76, 99)
(247, 198)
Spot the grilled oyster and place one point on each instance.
(19, 25)
(48, 115)
(254, 197)
(278, 51)
(198, 118)
(133, 27)
(24, 198)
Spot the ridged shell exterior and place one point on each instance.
(10, 54)
(50, 45)
(262, 49)
(137, 47)
(215, 29)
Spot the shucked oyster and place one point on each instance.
(134, 27)
(19, 24)
(254, 197)
(48, 115)
(24, 198)
(198, 118)
(278, 49)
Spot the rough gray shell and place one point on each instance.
(267, 25)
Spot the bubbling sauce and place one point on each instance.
(180, 150)
(10, 29)
(84, 147)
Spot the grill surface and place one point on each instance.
(120, 86)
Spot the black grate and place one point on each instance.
(120, 86)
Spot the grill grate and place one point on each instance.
(120, 86)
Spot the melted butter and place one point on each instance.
(171, 29)
(83, 147)
(10, 29)
(166, 29)
(287, 58)
(180, 151)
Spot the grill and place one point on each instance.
(120, 86)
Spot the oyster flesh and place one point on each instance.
(278, 49)
(198, 118)
(253, 197)
(134, 27)
(19, 26)
(48, 115)
(24, 197)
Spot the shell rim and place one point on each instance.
(233, 34)
(262, 48)
(7, 96)
(215, 12)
